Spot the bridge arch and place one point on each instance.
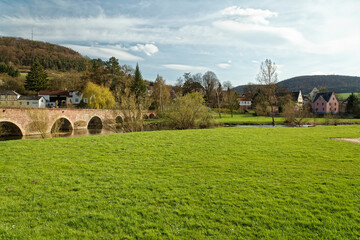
(62, 124)
(95, 123)
(8, 128)
(119, 119)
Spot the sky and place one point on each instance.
(170, 37)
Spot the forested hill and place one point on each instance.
(337, 83)
(22, 52)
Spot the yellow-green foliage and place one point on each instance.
(189, 111)
(99, 97)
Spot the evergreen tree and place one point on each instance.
(352, 106)
(37, 78)
(138, 86)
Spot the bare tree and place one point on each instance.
(40, 121)
(268, 78)
(230, 97)
(209, 83)
(160, 94)
(219, 96)
(294, 115)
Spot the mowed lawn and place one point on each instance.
(224, 183)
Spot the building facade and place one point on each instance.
(324, 103)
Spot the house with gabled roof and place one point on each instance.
(32, 101)
(325, 103)
(298, 98)
(8, 98)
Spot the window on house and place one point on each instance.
(76, 99)
(323, 104)
(317, 103)
(27, 103)
(317, 109)
(335, 109)
(20, 103)
(335, 104)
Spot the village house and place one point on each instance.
(32, 101)
(325, 103)
(245, 102)
(298, 98)
(61, 98)
(10, 98)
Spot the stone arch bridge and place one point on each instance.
(32, 121)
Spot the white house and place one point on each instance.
(244, 103)
(298, 98)
(32, 101)
(74, 97)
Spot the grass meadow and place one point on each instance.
(343, 96)
(250, 119)
(223, 183)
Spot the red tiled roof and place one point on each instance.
(56, 92)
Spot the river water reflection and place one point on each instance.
(74, 133)
(91, 132)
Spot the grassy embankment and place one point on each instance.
(224, 183)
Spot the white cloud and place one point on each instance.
(185, 67)
(148, 48)
(257, 16)
(255, 61)
(224, 65)
(104, 52)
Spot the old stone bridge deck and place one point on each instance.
(25, 121)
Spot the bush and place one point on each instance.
(189, 111)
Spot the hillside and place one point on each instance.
(23, 52)
(337, 83)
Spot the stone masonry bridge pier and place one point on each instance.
(32, 121)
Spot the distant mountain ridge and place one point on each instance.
(23, 52)
(337, 83)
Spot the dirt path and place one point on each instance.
(353, 140)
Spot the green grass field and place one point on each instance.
(343, 96)
(223, 183)
(249, 119)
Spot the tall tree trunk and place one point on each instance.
(273, 115)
